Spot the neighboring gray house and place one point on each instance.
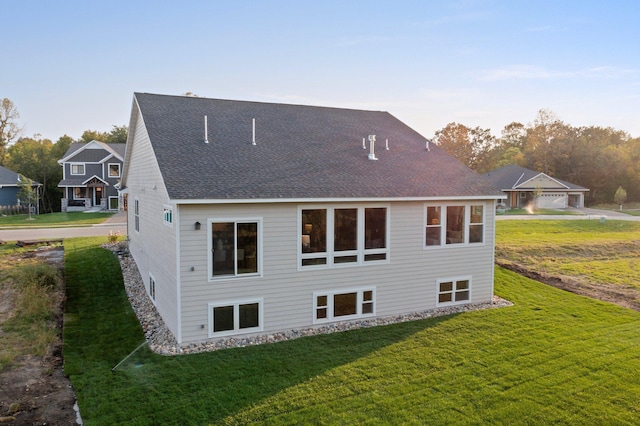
(9, 189)
(251, 218)
(91, 172)
(520, 184)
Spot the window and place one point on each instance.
(167, 215)
(455, 225)
(113, 203)
(434, 227)
(80, 192)
(235, 317)
(454, 291)
(77, 169)
(152, 288)
(476, 224)
(346, 304)
(338, 236)
(450, 225)
(136, 215)
(114, 170)
(235, 248)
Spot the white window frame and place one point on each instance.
(454, 281)
(236, 315)
(330, 307)
(72, 165)
(330, 254)
(109, 175)
(152, 288)
(136, 215)
(167, 215)
(236, 221)
(443, 225)
(111, 197)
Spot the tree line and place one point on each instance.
(599, 158)
(37, 158)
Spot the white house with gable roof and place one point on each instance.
(250, 218)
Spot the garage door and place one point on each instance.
(552, 200)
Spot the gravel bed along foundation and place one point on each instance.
(162, 341)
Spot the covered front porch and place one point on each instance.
(88, 196)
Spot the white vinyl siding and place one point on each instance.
(154, 246)
(400, 284)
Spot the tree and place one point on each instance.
(118, 134)
(470, 146)
(26, 193)
(9, 129)
(620, 197)
(93, 135)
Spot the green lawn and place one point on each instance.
(54, 219)
(539, 212)
(585, 249)
(553, 357)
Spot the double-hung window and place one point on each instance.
(77, 169)
(234, 248)
(343, 235)
(455, 224)
(343, 304)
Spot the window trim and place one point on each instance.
(259, 252)
(109, 175)
(152, 290)
(84, 169)
(454, 280)
(443, 224)
(111, 197)
(236, 313)
(330, 255)
(330, 308)
(136, 215)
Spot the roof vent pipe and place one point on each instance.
(372, 143)
(427, 145)
(364, 145)
(206, 130)
(386, 144)
(253, 128)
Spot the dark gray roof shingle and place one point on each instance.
(301, 152)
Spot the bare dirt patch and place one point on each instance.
(626, 296)
(33, 389)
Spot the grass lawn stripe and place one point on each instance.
(554, 357)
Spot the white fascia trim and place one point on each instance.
(332, 200)
(539, 175)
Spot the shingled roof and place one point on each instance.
(513, 176)
(300, 152)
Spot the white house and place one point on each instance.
(523, 187)
(250, 218)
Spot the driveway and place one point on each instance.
(116, 223)
(583, 213)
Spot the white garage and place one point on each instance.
(552, 200)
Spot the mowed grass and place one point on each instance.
(553, 357)
(54, 219)
(588, 250)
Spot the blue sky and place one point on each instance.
(69, 66)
